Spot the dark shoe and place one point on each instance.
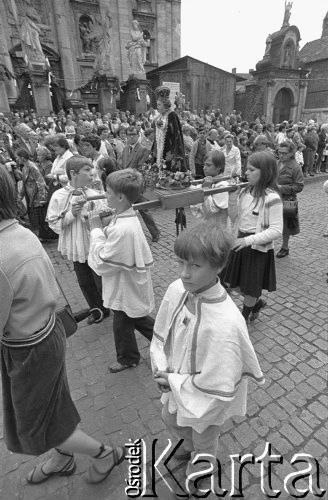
(283, 252)
(94, 474)
(325, 235)
(260, 304)
(118, 367)
(311, 175)
(246, 312)
(38, 476)
(155, 239)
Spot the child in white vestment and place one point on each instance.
(215, 206)
(201, 353)
(121, 255)
(67, 216)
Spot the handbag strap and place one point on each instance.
(62, 291)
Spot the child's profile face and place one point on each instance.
(84, 176)
(197, 274)
(114, 200)
(210, 169)
(253, 174)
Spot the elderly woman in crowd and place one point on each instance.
(290, 182)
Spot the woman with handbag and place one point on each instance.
(290, 182)
(38, 412)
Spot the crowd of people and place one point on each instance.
(51, 167)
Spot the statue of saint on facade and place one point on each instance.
(288, 8)
(268, 46)
(102, 43)
(29, 33)
(85, 35)
(137, 48)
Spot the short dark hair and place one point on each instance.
(204, 240)
(289, 145)
(128, 182)
(62, 142)
(92, 139)
(132, 130)
(101, 128)
(8, 207)
(23, 153)
(75, 163)
(107, 166)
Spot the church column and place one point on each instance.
(176, 29)
(9, 85)
(269, 101)
(71, 72)
(303, 85)
(121, 32)
(162, 56)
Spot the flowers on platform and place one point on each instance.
(158, 176)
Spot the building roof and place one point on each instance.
(315, 50)
(171, 65)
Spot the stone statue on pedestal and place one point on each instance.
(29, 33)
(288, 8)
(102, 42)
(137, 48)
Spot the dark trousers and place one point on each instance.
(125, 340)
(148, 219)
(199, 171)
(90, 284)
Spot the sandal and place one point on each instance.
(38, 476)
(96, 476)
(119, 367)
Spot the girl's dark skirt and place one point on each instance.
(251, 271)
(39, 413)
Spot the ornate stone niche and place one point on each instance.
(85, 30)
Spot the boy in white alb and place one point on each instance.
(201, 353)
(121, 255)
(67, 216)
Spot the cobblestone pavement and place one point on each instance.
(289, 411)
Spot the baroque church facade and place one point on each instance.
(65, 30)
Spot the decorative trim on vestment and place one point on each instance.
(126, 266)
(226, 394)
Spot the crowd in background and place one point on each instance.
(35, 148)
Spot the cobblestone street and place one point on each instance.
(289, 411)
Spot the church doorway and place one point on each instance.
(282, 105)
